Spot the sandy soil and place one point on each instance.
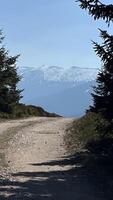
(38, 166)
(40, 141)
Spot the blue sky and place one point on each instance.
(51, 32)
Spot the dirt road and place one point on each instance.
(37, 166)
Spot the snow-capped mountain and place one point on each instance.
(71, 74)
(55, 73)
(65, 91)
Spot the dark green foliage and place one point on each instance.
(92, 135)
(103, 92)
(22, 110)
(97, 9)
(9, 94)
(89, 133)
(97, 125)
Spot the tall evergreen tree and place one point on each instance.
(103, 92)
(9, 94)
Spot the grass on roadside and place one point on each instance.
(88, 130)
(90, 141)
(22, 110)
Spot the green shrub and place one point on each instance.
(22, 110)
(88, 130)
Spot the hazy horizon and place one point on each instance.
(62, 67)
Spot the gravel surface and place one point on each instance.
(37, 166)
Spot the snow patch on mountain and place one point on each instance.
(55, 73)
(66, 91)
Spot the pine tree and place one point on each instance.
(9, 94)
(103, 92)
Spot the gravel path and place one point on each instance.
(39, 141)
(38, 167)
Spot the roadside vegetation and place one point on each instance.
(90, 138)
(95, 129)
(89, 133)
(23, 111)
(92, 151)
(10, 95)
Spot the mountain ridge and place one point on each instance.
(63, 91)
(56, 73)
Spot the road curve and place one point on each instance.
(38, 165)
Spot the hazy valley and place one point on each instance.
(63, 91)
